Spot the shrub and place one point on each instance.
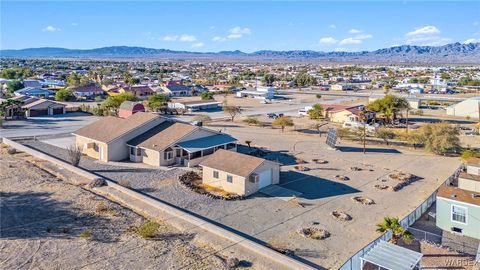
(251, 121)
(232, 263)
(99, 182)
(11, 150)
(148, 230)
(74, 155)
(86, 234)
(385, 134)
(124, 183)
(101, 207)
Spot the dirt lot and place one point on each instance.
(43, 220)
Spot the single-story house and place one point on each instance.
(32, 83)
(343, 113)
(137, 90)
(151, 139)
(87, 91)
(43, 107)
(127, 108)
(34, 92)
(239, 173)
(177, 90)
(260, 93)
(467, 108)
(194, 106)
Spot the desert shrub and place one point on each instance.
(86, 234)
(97, 183)
(74, 155)
(469, 153)
(251, 121)
(124, 183)
(232, 263)
(101, 207)
(148, 230)
(11, 150)
(385, 134)
(417, 112)
(440, 138)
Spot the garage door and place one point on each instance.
(265, 178)
(38, 112)
(57, 110)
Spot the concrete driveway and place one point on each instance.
(63, 142)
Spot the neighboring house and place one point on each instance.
(151, 139)
(87, 91)
(53, 83)
(198, 89)
(140, 91)
(466, 108)
(342, 113)
(458, 207)
(260, 93)
(194, 106)
(177, 90)
(43, 107)
(34, 92)
(239, 173)
(341, 87)
(127, 108)
(414, 103)
(416, 90)
(32, 83)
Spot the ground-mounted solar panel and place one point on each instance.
(331, 137)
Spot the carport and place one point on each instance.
(392, 257)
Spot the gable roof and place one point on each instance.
(162, 136)
(232, 162)
(129, 105)
(177, 88)
(110, 128)
(42, 101)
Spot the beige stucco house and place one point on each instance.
(239, 173)
(151, 139)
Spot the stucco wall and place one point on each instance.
(151, 157)
(237, 186)
(91, 152)
(469, 184)
(473, 170)
(444, 217)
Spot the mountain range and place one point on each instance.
(455, 53)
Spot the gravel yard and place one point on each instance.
(43, 220)
(277, 222)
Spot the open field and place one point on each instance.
(45, 224)
(276, 221)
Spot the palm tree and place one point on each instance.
(392, 224)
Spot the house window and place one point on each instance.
(457, 230)
(168, 155)
(134, 151)
(253, 178)
(229, 179)
(459, 214)
(215, 174)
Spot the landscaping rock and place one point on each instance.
(342, 177)
(11, 151)
(314, 233)
(99, 182)
(232, 263)
(342, 216)
(363, 200)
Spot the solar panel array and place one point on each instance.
(331, 137)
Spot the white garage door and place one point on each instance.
(265, 178)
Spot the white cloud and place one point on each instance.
(197, 45)
(426, 36)
(333, 26)
(170, 38)
(219, 39)
(471, 40)
(355, 31)
(350, 41)
(476, 23)
(241, 31)
(345, 50)
(426, 30)
(51, 29)
(211, 27)
(363, 36)
(235, 33)
(74, 24)
(234, 36)
(187, 38)
(327, 40)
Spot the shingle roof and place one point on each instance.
(40, 101)
(457, 194)
(473, 161)
(128, 105)
(232, 162)
(109, 128)
(162, 136)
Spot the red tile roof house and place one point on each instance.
(127, 108)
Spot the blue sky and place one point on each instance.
(246, 26)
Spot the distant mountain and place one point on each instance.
(454, 53)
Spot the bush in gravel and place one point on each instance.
(232, 263)
(86, 234)
(11, 150)
(99, 182)
(101, 207)
(74, 155)
(124, 183)
(148, 229)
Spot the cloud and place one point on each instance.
(471, 40)
(211, 27)
(355, 31)
(476, 23)
(327, 40)
(426, 30)
(345, 50)
(51, 29)
(350, 41)
(333, 26)
(197, 45)
(181, 38)
(74, 24)
(363, 36)
(426, 36)
(234, 33)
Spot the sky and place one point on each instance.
(232, 25)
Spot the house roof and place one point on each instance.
(199, 102)
(162, 136)
(206, 142)
(87, 89)
(469, 176)
(390, 256)
(177, 88)
(110, 128)
(138, 88)
(42, 102)
(129, 105)
(26, 90)
(336, 107)
(457, 194)
(474, 161)
(232, 162)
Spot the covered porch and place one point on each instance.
(194, 151)
(388, 256)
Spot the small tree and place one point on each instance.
(385, 134)
(64, 95)
(469, 153)
(157, 102)
(283, 122)
(440, 138)
(74, 155)
(232, 110)
(14, 85)
(415, 139)
(206, 95)
(318, 96)
(398, 232)
(316, 112)
(269, 79)
(251, 121)
(202, 118)
(248, 142)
